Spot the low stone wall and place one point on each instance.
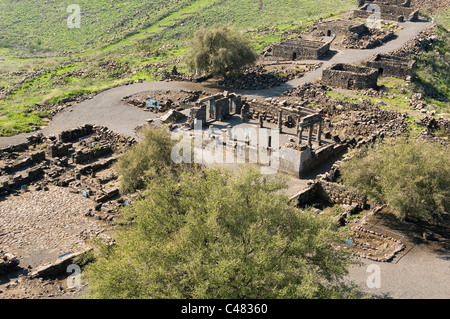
(8, 263)
(75, 134)
(348, 76)
(83, 156)
(57, 268)
(392, 66)
(330, 193)
(388, 12)
(297, 49)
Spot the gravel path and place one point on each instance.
(420, 271)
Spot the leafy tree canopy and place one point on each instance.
(413, 177)
(221, 50)
(216, 233)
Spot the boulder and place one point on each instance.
(172, 116)
(8, 263)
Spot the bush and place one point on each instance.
(413, 177)
(145, 160)
(221, 50)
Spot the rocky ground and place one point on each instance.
(38, 227)
(68, 198)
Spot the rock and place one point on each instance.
(428, 236)
(172, 116)
(8, 263)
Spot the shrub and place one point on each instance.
(221, 50)
(413, 177)
(145, 160)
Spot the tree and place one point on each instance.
(145, 160)
(216, 233)
(221, 50)
(413, 177)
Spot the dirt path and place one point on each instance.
(107, 109)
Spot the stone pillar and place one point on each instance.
(212, 108)
(319, 133)
(232, 104)
(280, 121)
(300, 135)
(229, 134)
(261, 122)
(310, 136)
(210, 132)
(243, 114)
(298, 124)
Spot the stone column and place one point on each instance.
(280, 121)
(310, 135)
(212, 108)
(300, 135)
(243, 114)
(319, 133)
(261, 122)
(210, 132)
(229, 134)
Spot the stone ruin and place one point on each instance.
(301, 49)
(8, 262)
(392, 10)
(390, 65)
(215, 108)
(347, 76)
(297, 157)
(79, 159)
(400, 3)
(326, 195)
(340, 27)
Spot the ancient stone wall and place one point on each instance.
(350, 77)
(341, 28)
(73, 135)
(402, 3)
(329, 193)
(297, 49)
(389, 65)
(388, 12)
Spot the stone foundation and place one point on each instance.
(301, 49)
(389, 65)
(350, 77)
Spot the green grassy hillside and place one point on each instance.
(42, 61)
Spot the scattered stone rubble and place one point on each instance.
(79, 159)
